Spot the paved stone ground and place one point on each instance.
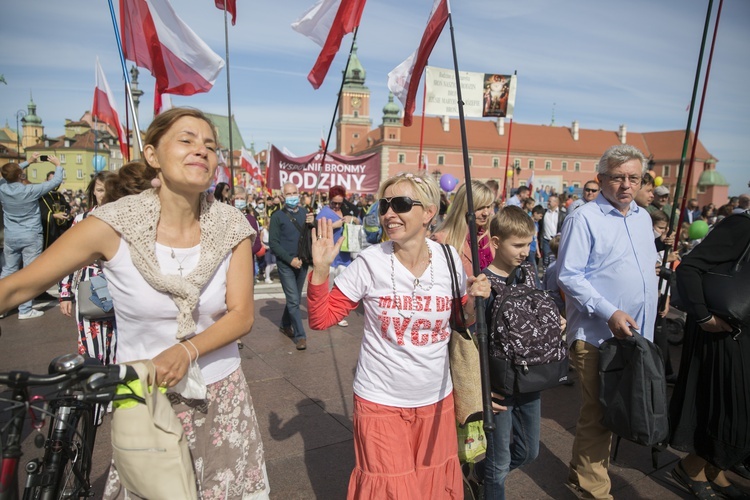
(303, 400)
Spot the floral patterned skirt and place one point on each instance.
(224, 441)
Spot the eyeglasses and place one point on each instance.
(335, 204)
(634, 180)
(589, 190)
(399, 204)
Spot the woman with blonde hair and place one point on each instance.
(405, 440)
(455, 230)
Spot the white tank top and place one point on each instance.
(147, 319)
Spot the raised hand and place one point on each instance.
(324, 250)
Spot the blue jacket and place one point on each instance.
(20, 201)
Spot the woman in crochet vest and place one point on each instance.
(177, 267)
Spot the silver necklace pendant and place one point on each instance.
(396, 299)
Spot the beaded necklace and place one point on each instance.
(417, 283)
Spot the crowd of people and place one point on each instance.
(167, 242)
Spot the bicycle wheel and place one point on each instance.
(73, 481)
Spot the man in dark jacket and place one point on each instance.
(286, 227)
(55, 212)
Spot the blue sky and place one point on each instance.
(601, 62)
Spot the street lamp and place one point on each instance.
(20, 114)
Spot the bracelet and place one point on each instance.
(197, 354)
(186, 350)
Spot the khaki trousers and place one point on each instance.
(591, 446)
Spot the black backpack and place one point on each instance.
(527, 348)
(633, 391)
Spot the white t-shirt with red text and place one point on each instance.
(403, 361)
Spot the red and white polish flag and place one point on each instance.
(153, 37)
(222, 174)
(248, 163)
(326, 23)
(231, 6)
(403, 80)
(104, 108)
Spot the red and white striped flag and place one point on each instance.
(247, 162)
(162, 102)
(153, 37)
(326, 23)
(403, 80)
(231, 6)
(222, 174)
(104, 108)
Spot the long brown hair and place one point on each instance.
(101, 177)
(132, 178)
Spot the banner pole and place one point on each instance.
(481, 324)
(507, 152)
(421, 128)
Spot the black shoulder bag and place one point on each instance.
(304, 245)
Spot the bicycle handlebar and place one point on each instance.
(112, 375)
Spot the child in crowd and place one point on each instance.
(549, 281)
(535, 252)
(515, 441)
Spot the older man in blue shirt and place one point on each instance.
(23, 221)
(606, 268)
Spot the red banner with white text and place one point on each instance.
(358, 174)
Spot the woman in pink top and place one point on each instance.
(404, 422)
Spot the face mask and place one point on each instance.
(241, 204)
(657, 234)
(260, 206)
(292, 201)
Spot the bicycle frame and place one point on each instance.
(12, 448)
(80, 386)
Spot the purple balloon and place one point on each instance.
(448, 183)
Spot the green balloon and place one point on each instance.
(698, 230)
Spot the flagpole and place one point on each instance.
(421, 128)
(481, 324)
(664, 264)
(128, 92)
(690, 168)
(335, 110)
(686, 140)
(127, 126)
(229, 99)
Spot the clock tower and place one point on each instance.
(353, 122)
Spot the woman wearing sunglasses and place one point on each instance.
(333, 212)
(404, 424)
(455, 231)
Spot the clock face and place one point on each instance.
(356, 101)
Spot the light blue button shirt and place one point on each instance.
(606, 263)
(21, 213)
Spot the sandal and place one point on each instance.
(699, 489)
(730, 492)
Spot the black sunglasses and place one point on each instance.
(399, 204)
(589, 190)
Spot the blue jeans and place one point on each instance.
(521, 422)
(292, 282)
(20, 249)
